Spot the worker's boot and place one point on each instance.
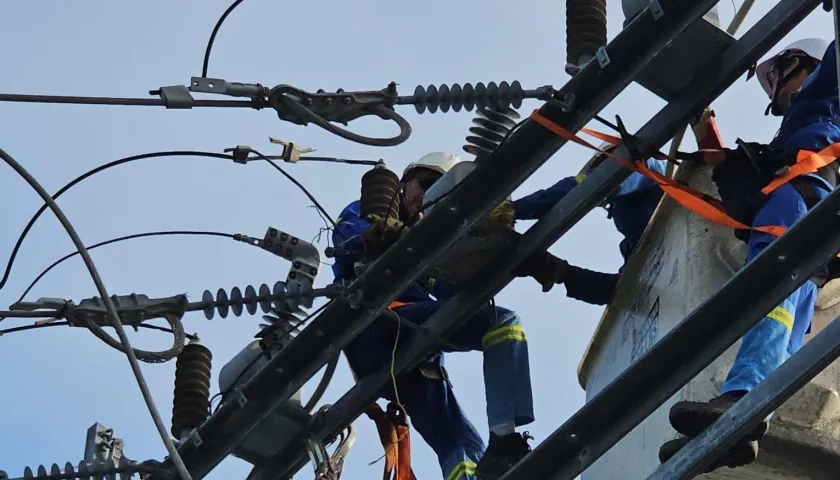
(502, 454)
(691, 418)
(741, 454)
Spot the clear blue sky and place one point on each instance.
(58, 381)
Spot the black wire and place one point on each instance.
(134, 102)
(113, 316)
(61, 324)
(84, 176)
(299, 185)
(213, 36)
(115, 240)
(77, 180)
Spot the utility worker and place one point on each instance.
(426, 394)
(630, 207)
(801, 82)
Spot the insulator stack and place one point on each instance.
(191, 402)
(490, 127)
(284, 321)
(586, 30)
(236, 302)
(380, 193)
(467, 97)
(84, 470)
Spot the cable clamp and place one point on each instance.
(240, 153)
(175, 97)
(291, 152)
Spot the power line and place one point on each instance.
(113, 316)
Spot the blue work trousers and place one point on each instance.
(780, 334)
(431, 403)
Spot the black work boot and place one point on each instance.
(691, 418)
(741, 454)
(502, 454)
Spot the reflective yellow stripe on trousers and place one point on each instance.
(463, 469)
(502, 334)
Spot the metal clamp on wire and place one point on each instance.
(134, 309)
(321, 108)
(175, 96)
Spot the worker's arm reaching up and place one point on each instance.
(348, 240)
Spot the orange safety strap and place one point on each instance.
(396, 304)
(396, 441)
(694, 200)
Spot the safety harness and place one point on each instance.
(393, 433)
(775, 169)
(392, 424)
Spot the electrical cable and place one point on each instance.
(89, 173)
(120, 239)
(24, 328)
(213, 34)
(299, 185)
(120, 101)
(110, 308)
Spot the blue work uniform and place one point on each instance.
(431, 402)
(808, 124)
(630, 208)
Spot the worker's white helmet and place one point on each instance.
(766, 71)
(440, 162)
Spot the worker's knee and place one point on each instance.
(506, 327)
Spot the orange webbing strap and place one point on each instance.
(393, 433)
(396, 304)
(806, 162)
(694, 200)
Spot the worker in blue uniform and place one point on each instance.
(630, 208)
(801, 83)
(426, 394)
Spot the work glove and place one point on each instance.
(382, 233)
(545, 268)
(500, 219)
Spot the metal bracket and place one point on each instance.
(603, 57)
(222, 87)
(306, 261)
(241, 237)
(195, 438)
(655, 9)
(291, 151)
(239, 397)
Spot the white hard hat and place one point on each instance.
(766, 71)
(440, 162)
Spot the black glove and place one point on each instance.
(545, 268)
